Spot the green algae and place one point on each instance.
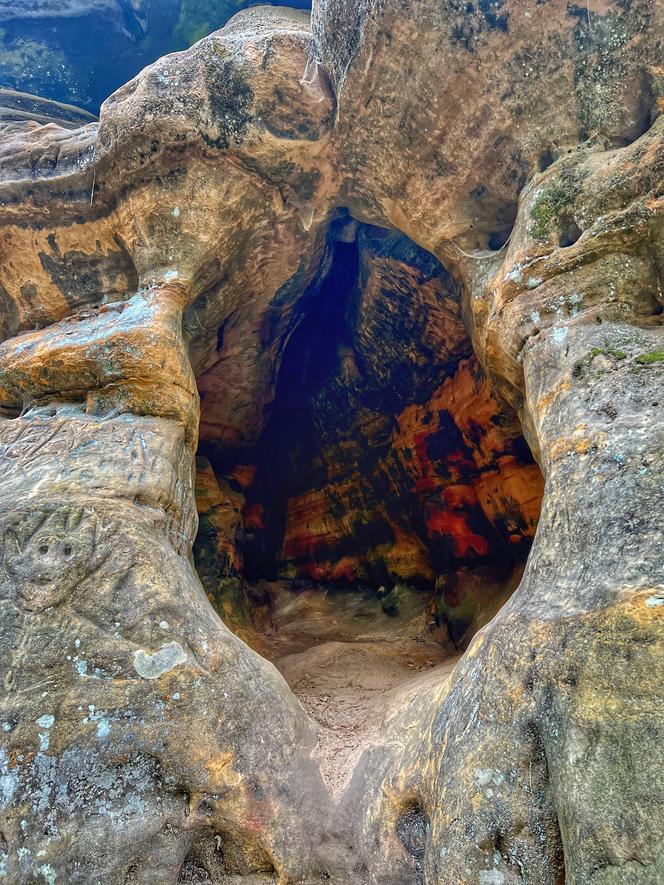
(653, 356)
(555, 202)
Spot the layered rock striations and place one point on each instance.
(184, 275)
(110, 645)
(495, 91)
(19, 106)
(560, 690)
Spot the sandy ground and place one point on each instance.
(347, 688)
(349, 663)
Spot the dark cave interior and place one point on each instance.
(385, 461)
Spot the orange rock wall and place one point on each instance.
(458, 487)
(385, 456)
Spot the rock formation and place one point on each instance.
(80, 51)
(349, 266)
(19, 106)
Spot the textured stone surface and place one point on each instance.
(128, 642)
(521, 758)
(494, 90)
(128, 357)
(107, 635)
(80, 51)
(385, 457)
(19, 106)
(189, 235)
(219, 127)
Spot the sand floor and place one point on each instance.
(349, 663)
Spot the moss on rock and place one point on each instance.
(653, 356)
(555, 203)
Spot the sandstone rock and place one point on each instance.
(111, 653)
(225, 150)
(545, 742)
(126, 357)
(217, 550)
(19, 106)
(82, 50)
(109, 393)
(188, 238)
(388, 455)
(445, 108)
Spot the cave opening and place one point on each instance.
(386, 510)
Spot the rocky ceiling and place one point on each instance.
(232, 262)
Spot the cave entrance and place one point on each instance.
(387, 509)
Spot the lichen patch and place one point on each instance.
(170, 655)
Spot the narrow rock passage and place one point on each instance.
(348, 661)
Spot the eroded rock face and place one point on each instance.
(88, 563)
(227, 148)
(110, 648)
(494, 90)
(183, 242)
(385, 458)
(546, 741)
(80, 51)
(19, 106)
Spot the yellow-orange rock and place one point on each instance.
(141, 740)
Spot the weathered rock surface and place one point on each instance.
(109, 393)
(106, 667)
(19, 106)
(80, 51)
(186, 241)
(385, 457)
(494, 90)
(230, 146)
(560, 691)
